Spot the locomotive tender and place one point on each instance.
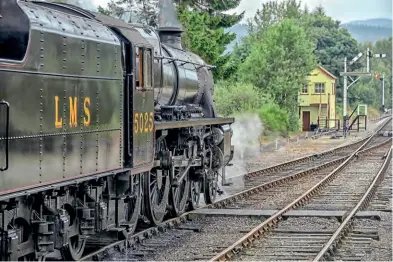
(103, 125)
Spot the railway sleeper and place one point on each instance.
(339, 215)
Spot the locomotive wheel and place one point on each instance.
(76, 242)
(132, 205)
(195, 194)
(210, 186)
(179, 194)
(156, 192)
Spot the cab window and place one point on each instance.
(144, 68)
(139, 67)
(148, 68)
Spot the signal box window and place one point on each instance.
(319, 88)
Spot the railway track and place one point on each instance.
(375, 244)
(144, 244)
(303, 237)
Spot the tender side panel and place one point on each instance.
(65, 101)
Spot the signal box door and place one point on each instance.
(306, 120)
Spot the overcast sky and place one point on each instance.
(342, 10)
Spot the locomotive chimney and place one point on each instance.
(169, 26)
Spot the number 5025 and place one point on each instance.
(143, 122)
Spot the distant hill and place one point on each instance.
(370, 30)
(378, 22)
(362, 30)
(241, 31)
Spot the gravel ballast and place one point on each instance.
(200, 239)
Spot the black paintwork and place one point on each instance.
(60, 63)
(80, 116)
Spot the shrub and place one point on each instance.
(233, 98)
(274, 118)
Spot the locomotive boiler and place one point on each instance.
(103, 125)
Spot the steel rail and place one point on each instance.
(259, 230)
(171, 223)
(348, 222)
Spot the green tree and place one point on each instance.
(279, 65)
(204, 23)
(204, 36)
(271, 13)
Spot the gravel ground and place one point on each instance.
(200, 239)
(294, 239)
(382, 250)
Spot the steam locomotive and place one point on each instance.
(103, 125)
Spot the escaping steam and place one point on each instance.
(246, 132)
(167, 16)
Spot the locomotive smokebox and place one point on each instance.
(171, 36)
(170, 28)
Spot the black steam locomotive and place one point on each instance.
(103, 125)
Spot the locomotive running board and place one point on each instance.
(161, 125)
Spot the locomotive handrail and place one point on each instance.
(2, 102)
(184, 61)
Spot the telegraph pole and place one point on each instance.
(383, 82)
(383, 93)
(345, 93)
(347, 74)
